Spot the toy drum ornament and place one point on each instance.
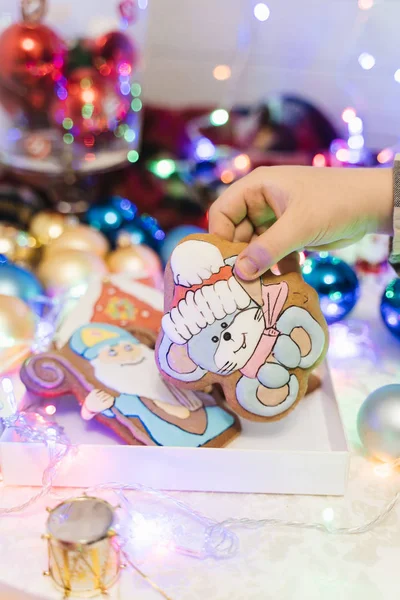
(83, 553)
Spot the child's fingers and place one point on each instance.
(268, 249)
(249, 198)
(244, 231)
(221, 223)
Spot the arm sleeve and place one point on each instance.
(394, 249)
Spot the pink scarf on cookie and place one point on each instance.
(273, 300)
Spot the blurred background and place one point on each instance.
(121, 121)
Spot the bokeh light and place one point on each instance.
(163, 168)
(366, 61)
(355, 126)
(348, 114)
(136, 89)
(125, 88)
(68, 138)
(136, 105)
(129, 135)
(365, 4)
(342, 155)
(386, 155)
(132, 156)
(356, 142)
(227, 176)
(242, 162)
(218, 117)
(222, 72)
(319, 160)
(261, 11)
(205, 149)
(28, 44)
(67, 123)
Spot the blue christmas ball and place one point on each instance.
(142, 230)
(125, 207)
(336, 283)
(390, 307)
(18, 282)
(173, 238)
(109, 216)
(106, 218)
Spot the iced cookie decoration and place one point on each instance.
(113, 375)
(116, 300)
(258, 340)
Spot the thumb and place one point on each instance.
(268, 249)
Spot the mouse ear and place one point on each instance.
(174, 361)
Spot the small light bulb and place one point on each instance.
(397, 76)
(348, 114)
(242, 162)
(319, 160)
(205, 149)
(218, 117)
(342, 155)
(222, 72)
(365, 4)
(261, 11)
(28, 44)
(366, 61)
(355, 126)
(356, 142)
(227, 176)
(385, 156)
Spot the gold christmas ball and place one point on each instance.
(47, 226)
(140, 262)
(19, 246)
(17, 332)
(80, 237)
(69, 271)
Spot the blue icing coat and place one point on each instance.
(164, 433)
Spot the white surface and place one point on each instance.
(309, 446)
(276, 562)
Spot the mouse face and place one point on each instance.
(228, 344)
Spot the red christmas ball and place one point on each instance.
(88, 106)
(32, 60)
(115, 54)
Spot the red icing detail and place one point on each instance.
(100, 314)
(180, 291)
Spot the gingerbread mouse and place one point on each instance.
(259, 340)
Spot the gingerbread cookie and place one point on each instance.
(258, 340)
(116, 300)
(114, 377)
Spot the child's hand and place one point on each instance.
(281, 210)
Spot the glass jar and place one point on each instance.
(70, 88)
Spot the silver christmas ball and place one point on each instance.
(378, 423)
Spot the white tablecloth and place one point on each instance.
(275, 562)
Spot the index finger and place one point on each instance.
(227, 212)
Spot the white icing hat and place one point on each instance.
(205, 290)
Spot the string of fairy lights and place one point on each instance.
(350, 151)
